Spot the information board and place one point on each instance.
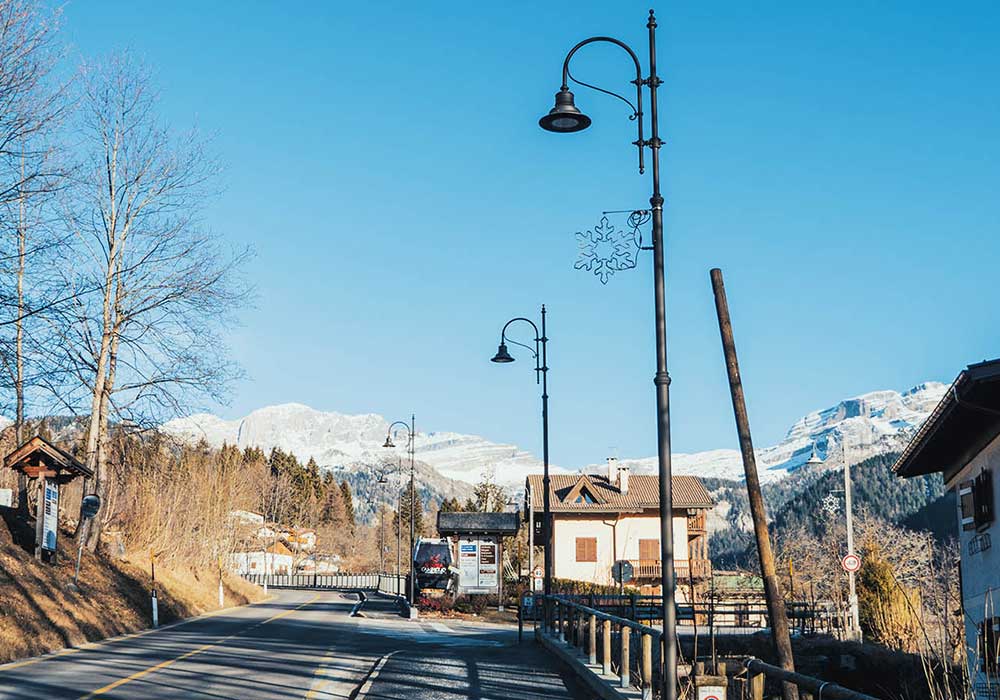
(50, 523)
(468, 562)
(487, 563)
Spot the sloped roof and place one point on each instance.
(965, 421)
(643, 493)
(40, 450)
(458, 523)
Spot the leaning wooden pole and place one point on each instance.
(775, 602)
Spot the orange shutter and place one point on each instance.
(586, 549)
(649, 550)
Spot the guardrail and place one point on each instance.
(758, 671)
(604, 638)
(365, 582)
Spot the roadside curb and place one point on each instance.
(29, 660)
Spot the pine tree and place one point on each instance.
(348, 499)
(490, 496)
(403, 515)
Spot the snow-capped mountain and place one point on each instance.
(337, 440)
(870, 424)
(873, 423)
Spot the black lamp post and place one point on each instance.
(541, 375)
(381, 530)
(565, 117)
(411, 434)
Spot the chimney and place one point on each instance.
(623, 480)
(612, 469)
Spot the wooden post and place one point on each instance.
(647, 667)
(772, 591)
(40, 513)
(606, 648)
(757, 686)
(625, 660)
(592, 642)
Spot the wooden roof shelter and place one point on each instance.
(39, 457)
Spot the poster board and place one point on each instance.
(50, 522)
(478, 564)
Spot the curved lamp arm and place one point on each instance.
(404, 424)
(638, 82)
(538, 339)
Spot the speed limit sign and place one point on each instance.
(851, 563)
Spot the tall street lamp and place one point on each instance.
(411, 433)
(541, 375)
(565, 117)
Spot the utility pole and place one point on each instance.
(848, 509)
(775, 602)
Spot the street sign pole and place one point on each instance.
(852, 591)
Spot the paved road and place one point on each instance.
(300, 644)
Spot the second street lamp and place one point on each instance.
(541, 375)
(565, 117)
(411, 434)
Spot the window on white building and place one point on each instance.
(976, 500)
(586, 549)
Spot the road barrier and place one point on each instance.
(364, 582)
(813, 687)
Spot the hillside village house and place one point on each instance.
(599, 519)
(961, 439)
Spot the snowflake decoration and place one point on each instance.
(831, 504)
(606, 250)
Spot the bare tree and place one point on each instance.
(147, 345)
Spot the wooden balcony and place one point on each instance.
(647, 569)
(696, 523)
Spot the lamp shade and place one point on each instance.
(564, 118)
(502, 354)
(388, 441)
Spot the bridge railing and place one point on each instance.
(365, 582)
(623, 647)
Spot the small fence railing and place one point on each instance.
(623, 647)
(365, 582)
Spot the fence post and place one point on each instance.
(592, 645)
(606, 648)
(647, 667)
(625, 660)
(562, 627)
(757, 687)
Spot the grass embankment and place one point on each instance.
(39, 613)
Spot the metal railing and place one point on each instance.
(623, 647)
(366, 582)
(758, 672)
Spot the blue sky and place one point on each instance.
(838, 162)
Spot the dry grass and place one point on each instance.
(39, 614)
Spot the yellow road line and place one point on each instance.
(163, 664)
(123, 637)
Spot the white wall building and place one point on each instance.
(961, 439)
(598, 520)
(277, 559)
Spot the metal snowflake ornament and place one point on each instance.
(831, 504)
(606, 249)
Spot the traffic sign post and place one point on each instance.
(851, 563)
(88, 510)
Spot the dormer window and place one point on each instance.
(585, 497)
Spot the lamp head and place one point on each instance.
(502, 355)
(564, 118)
(388, 441)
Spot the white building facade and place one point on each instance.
(961, 439)
(598, 520)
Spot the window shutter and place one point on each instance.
(983, 499)
(967, 501)
(649, 550)
(586, 549)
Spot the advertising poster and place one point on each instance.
(50, 522)
(468, 563)
(487, 563)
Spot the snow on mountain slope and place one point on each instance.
(873, 423)
(870, 424)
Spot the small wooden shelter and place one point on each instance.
(50, 467)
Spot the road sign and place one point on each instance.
(851, 563)
(622, 571)
(91, 504)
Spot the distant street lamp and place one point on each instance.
(381, 531)
(411, 434)
(565, 117)
(541, 374)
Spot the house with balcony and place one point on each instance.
(961, 440)
(599, 519)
